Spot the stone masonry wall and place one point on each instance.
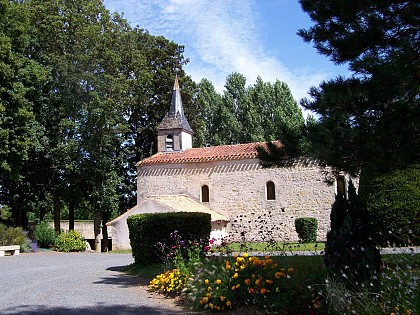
(238, 191)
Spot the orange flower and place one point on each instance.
(269, 281)
(238, 285)
(257, 282)
(279, 274)
(290, 270)
(233, 288)
(228, 303)
(248, 281)
(263, 291)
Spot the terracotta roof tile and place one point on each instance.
(207, 154)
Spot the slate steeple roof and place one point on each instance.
(175, 118)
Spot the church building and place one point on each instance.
(247, 202)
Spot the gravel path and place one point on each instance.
(75, 283)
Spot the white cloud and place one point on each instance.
(220, 37)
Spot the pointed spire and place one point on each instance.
(175, 117)
(176, 84)
(176, 108)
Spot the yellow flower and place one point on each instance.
(290, 270)
(211, 305)
(257, 282)
(206, 281)
(209, 288)
(235, 275)
(205, 299)
(228, 303)
(208, 294)
(245, 255)
(279, 274)
(227, 267)
(218, 281)
(233, 288)
(222, 298)
(238, 285)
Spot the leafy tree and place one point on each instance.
(21, 79)
(369, 121)
(260, 112)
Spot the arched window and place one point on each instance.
(205, 195)
(270, 190)
(341, 185)
(169, 143)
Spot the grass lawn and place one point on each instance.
(270, 247)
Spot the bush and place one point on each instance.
(71, 241)
(44, 235)
(148, 229)
(306, 228)
(393, 202)
(351, 255)
(12, 236)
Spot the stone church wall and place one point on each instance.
(237, 189)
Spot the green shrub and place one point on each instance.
(149, 229)
(44, 235)
(12, 236)
(393, 202)
(351, 255)
(306, 228)
(70, 241)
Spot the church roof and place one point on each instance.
(208, 154)
(175, 118)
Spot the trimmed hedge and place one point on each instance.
(306, 228)
(393, 201)
(147, 229)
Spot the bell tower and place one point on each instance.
(174, 132)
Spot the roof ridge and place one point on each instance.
(207, 154)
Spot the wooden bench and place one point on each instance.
(12, 249)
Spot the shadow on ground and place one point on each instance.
(122, 279)
(93, 310)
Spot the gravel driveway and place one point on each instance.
(75, 283)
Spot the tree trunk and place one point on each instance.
(57, 210)
(105, 218)
(97, 230)
(71, 215)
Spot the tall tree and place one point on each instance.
(368, 122)
(21, 80)
(261, 112)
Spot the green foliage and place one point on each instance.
(70, 241)
(12, 236)
(369, 121)
(351, 255)
(306, 228)
(259, 112)
(45, 235)
(147, 230)
(393, 201)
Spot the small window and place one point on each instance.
(270, 190)
(169, 143)
(205, 196)
(341, 185)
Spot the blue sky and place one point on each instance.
(252, 37)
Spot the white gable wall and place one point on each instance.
(237, 190)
